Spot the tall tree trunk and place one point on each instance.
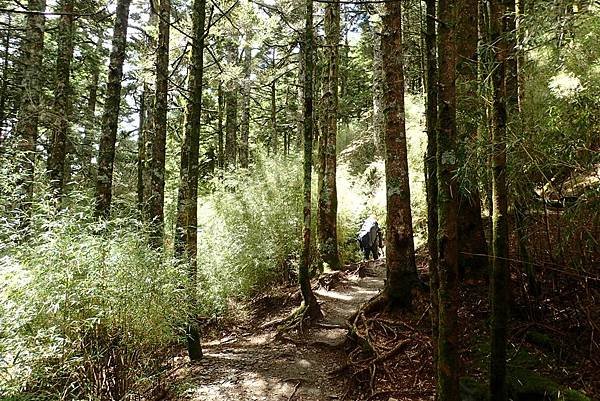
(378, 123)
(220, 136)
(447, 150)
(274, 136)
(245, 123)
(300, 114)
(89, 135)
(431, 167)
(231, 147)
(30, 105)
(110, 117)
(159, 142)
(5, 79)
(499, 27)
(327, 224)
(62, 106)
(186, 231)
(400, 259)
(471, 236)
(273, 87)
(141, 156)
(308, 50)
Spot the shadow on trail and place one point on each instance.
(255, 366)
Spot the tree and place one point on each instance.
(327, 222)
(431, 166)
(447, 360)
(89, 135)
(471, 236)
(62, 93)
(161, 107)
(310, 308)
(245, 123)
(377, 67)
(110, 117)
(186, 231)
(400, 259)
(141, 154)
(231, 108)
(30, 106)
(499, 29)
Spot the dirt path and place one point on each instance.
(253, 366)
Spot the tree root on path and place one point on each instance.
(301, 318)
(376, 341)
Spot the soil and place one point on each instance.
(253, 363)
(550, 337)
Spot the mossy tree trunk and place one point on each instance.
(141, 154)
(110, 117)
(431, 166)
(499, 27)
(89, 136)
(220, 136)
(308, 49)
(186, 230)
(62, 94)
(26, 130)
(327, 208)
(231, 110)
(471, 236)
(447, 362)
(400, 259)
(159, 143)
(377, 89)
(245, 123)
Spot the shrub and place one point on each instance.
(83, 309)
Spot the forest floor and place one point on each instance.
(249, 362)
(550, 348)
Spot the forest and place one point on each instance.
(307, 200)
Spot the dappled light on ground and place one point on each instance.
(256, 366)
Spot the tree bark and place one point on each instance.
(186, 231)
(89, 135)
(431, 167)
(378, 119)
(231, 106)
(402, 276)
(5, 78)
(26, 130)
(327, 208)
(110, 117)
(499, 27)
(220, 137)
(141, 156)
(62, 106)
(245, 123)
(447, 362)
(159, 142)
(308, 49)
(471, 236)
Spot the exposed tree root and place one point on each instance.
(377, 341)
(301, 318)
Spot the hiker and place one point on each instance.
(370, 238)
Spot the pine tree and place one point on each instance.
(186, 230)
(110, 117)
(62, 94)
(327, 210)
(499, 28)
(159, 142)
(447, 361)
(400, 257)
(26, 130)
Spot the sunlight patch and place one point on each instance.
(565, 85)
